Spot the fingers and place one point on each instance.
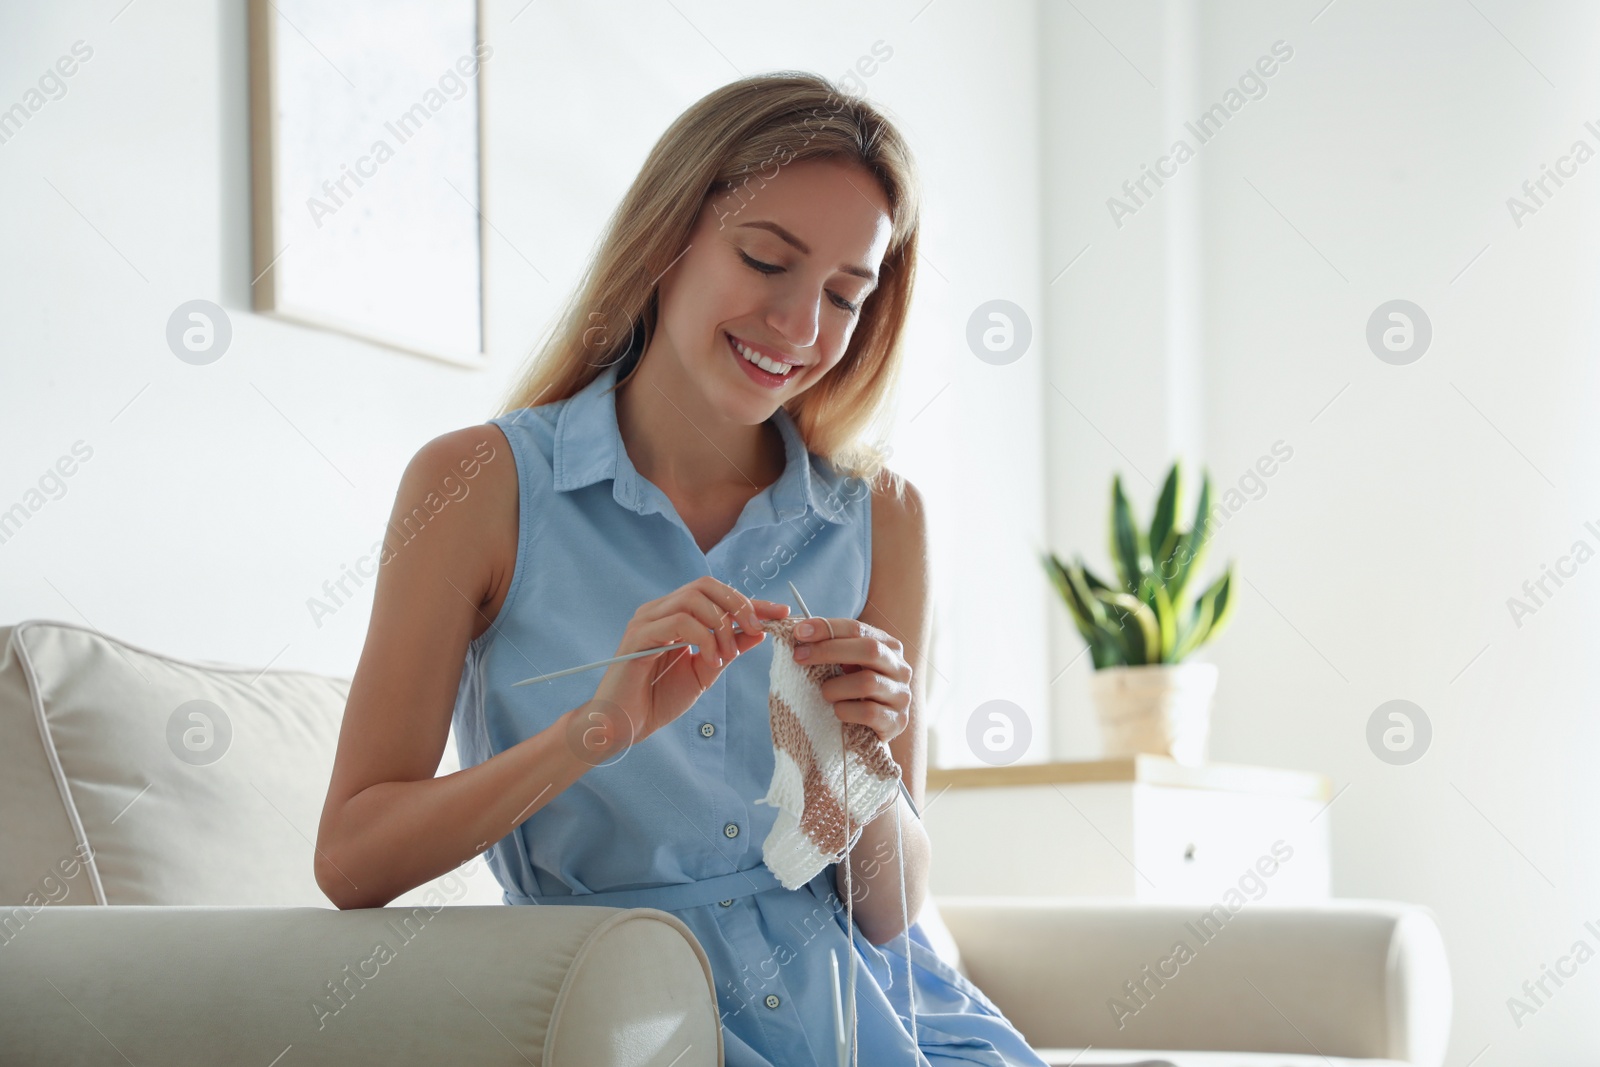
(715, 619)
(729, 600)
(877, 692)
(708, 607)
(746, 642)
(680, 626)
(717, 604)
(715, 626)
(821, 629)
(865, 685)
(883, 720)
(854, 643)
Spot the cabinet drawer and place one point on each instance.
(1197, 845)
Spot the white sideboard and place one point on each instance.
(1143, 828)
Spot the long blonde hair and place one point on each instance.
(730, 138)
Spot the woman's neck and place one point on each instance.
(683, 446)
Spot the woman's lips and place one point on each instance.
(762, 378)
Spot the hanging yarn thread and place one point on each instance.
(830, 778)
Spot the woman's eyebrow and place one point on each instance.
(805, 249)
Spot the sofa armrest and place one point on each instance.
(1353, 978)
(574, 986)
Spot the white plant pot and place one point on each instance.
(1160, 708)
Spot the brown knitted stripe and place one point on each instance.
(789, 735)
(864, 741)
(823, 819)
(782, 630)
(859, 738)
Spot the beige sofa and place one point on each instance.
(157, 905)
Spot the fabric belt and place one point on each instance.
(730, 886)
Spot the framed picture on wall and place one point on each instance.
(366, 170)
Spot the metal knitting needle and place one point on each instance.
(798, 599)
(601, 663)
(613, 659)
(841, 1043)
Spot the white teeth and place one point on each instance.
(771, 366)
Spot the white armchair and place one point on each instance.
(157, 904)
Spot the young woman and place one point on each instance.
(685, 445)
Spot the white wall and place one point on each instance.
(1380, 557)
(1379, 560)
(219, 499)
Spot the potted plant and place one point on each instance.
(1142, 628)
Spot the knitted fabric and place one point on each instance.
(815, 826)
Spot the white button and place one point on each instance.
(772, 1000)
(706, 729)
(724, 903)
(732, 829)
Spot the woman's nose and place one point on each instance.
(795, 318)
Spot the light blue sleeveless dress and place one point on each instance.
(672, 822)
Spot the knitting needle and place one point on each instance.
(798, 599)
(608, 662)
(903, 791)
(601, 663)
(841, 1044)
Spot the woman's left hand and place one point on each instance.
(875, 689)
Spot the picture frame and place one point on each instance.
(367, 170)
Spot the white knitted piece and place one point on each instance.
(810, 753)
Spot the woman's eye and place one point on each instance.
(764, 268)
(770, 268)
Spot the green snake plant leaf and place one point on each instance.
(1089, 577)
(1147, 590)
(1153, 593)
(1136, 623)
(1193, 630)
(1108, 645)
(1146, 613)
(1084, 595)
(1058, 578)
(1128, 548)
(1104, 651)
(1166, 622)
(1221, 600)
(1162, 524)
(1087, 613)
(1193, 545)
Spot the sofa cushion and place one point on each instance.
(1096, 1057)
(373, 987)
(132, 777)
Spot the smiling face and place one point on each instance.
(783, 272)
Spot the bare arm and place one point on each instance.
(897, 603)
(388, 825)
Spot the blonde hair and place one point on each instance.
(731, 137)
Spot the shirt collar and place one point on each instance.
(588, 448)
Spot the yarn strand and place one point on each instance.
(911, 989)
(850, 921)
(876, 781)
(850, 899)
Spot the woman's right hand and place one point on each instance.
(639, 696)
